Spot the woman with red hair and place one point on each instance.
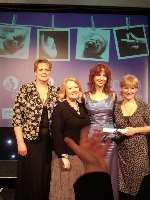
(99, 101)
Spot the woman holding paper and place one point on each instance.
(132, 115)
(99, 101)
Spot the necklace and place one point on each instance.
(75, 106)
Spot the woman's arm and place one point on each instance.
(57, 130)
(58, 137)
(22, 149)
(18, 120)
(130, 131)
(145, 114)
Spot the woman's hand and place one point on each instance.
(22, 149)
(128, 131)
(91, 151)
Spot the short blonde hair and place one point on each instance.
(62, 88)
(129, 80)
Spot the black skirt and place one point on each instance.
(34, 169)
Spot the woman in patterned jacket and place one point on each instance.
(132, 117)
(32, 111)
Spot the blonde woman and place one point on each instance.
(69, 117)
(133, 116)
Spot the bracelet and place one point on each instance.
(65, 156)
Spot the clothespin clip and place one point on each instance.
(14, 19)
(128, 22)
(93, 24)
(53, 22)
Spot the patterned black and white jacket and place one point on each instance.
(28, 109)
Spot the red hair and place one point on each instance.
(95, 71)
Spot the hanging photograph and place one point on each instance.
(131, 41)
(92, 44)
(14, 41)
(53, 44)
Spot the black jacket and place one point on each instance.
(66, 122)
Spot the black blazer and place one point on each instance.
(67, 122)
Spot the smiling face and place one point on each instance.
(128, 87)
(42, 72)
(100, 80)
(72, 90)
(128, 92)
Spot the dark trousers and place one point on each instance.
(124, 196)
